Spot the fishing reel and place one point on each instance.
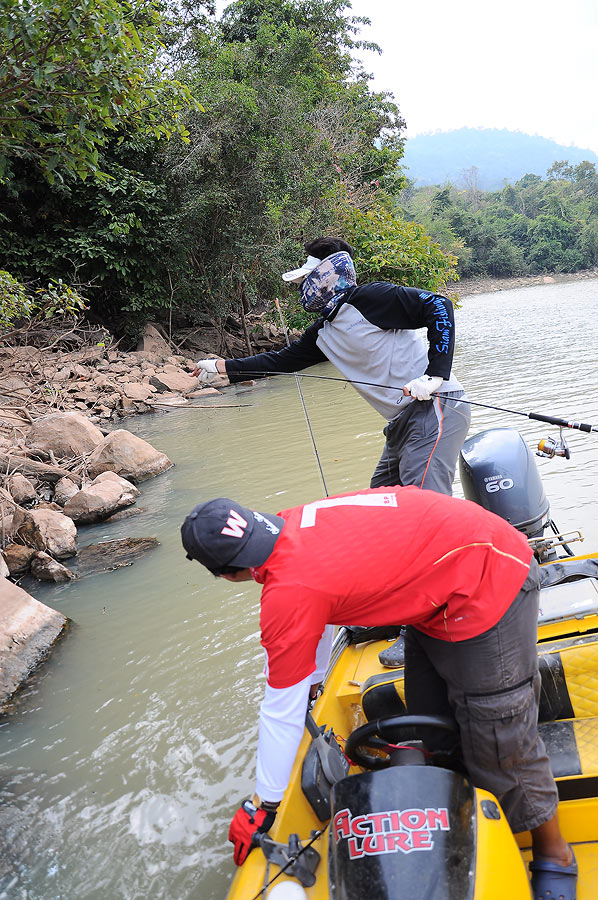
(550, 447)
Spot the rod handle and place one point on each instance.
(562, 423)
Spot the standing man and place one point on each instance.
(370, 333)
(466, 585)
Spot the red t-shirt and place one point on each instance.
(382, 557)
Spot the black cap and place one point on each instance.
(223, 533)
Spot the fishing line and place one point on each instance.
(313, 440)
(539, 417)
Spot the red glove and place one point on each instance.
(247, 824)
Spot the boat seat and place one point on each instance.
(572, 745)
(568, 712)
(569, 670)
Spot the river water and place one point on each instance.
(123, 759)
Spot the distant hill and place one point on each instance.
(498, 154)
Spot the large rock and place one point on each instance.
(21, 489)
(137, 391)
(17, 558)
(153, 343)
(107, 494)
(45, 568)
(174, 381)
(67, 434)
(46, 529)
(27, 631)
(127, 455)
(64, 490)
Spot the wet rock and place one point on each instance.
(103, 497)
(45, 568)
(177, 381)
(125, 514)
(67, 435)
(64, 490)
(111, 555)
(27, 631)
(203, 392)
(17, 558)
(127, 455)
(46, 529)
(21, 489)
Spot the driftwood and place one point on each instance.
(51, 474)
(109, 555)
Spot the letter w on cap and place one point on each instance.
(235, 525)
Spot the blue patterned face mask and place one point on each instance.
(322, 289)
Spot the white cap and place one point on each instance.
(297, 275)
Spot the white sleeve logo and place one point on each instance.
(235, 525)
(308, 517)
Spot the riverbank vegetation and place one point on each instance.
(537, 225)
(162, 160)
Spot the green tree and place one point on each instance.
(74, 71)
(390, 249)
(290, 130)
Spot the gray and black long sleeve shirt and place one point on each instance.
(372, 335)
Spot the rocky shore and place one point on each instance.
(471, 286)
(65, 462)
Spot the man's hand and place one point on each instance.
(206, 370)
(423, 387)
(248, 823)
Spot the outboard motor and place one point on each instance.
(499, 472)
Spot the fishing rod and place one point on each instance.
(539, 417)
(313, 440)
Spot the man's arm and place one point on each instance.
(299, 355)
(282, 720)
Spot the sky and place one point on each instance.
(524, 65)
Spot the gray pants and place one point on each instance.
(422, 444)
(490, 684)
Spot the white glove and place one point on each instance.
(206, 371)
(423, 387)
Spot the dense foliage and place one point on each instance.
(535, 225)
(71, 72)
(281, 140)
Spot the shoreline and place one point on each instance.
(469, 287)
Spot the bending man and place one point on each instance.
(370, 334)
(465, 584)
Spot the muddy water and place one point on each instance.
(122, 761)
